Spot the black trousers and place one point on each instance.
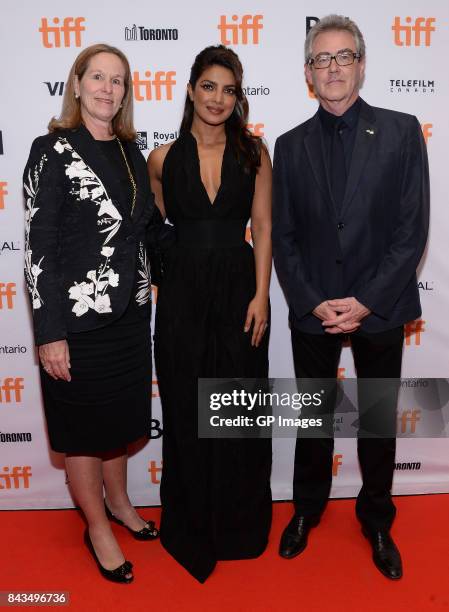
(375, 356)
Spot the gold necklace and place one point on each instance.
(131, 178)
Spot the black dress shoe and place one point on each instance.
(294, 538)
(386, 555)
(149, 532)
(119, 574)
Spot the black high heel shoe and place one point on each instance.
(149, 532)
(116, 575)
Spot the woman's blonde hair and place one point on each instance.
(70, 117)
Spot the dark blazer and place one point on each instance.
(372, 249)
(81, 245)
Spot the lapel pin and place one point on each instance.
(370, 132)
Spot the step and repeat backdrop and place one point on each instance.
(407, 49)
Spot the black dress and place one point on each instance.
(107, 404)
(216, 498)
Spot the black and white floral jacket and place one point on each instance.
(81, 245)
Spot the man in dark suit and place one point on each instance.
(351, 207)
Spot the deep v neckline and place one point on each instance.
(213, 202)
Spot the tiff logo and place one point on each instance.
(337, 462)
(8, 291)
(56, 88)
(51, 35)
(11, 387)
(3, 193)
(240, 30)
(256, 129)
(311, 91)
(403, 33)
(155, 388)
(426, 131)
(408, 420)
(19, 477)
(414, 329)
(155, 471)
(153, 89)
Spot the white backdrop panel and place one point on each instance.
(30, 475)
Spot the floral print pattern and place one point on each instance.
(87, 186)
(32, 270)
(93, 294)
(143, 294)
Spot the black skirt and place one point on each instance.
(107, 404)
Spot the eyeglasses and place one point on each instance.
(343, 58)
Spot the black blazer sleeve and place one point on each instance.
(301, 296)
(399, 264)
(44, 196)
(160, 235)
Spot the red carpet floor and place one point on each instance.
(43, 551)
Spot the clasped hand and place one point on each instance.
(342, 316)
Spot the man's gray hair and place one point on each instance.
(334, 22)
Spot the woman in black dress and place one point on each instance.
(88, 212)
(212, 315)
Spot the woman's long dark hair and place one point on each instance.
(247, 147)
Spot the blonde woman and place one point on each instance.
(88, 211)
